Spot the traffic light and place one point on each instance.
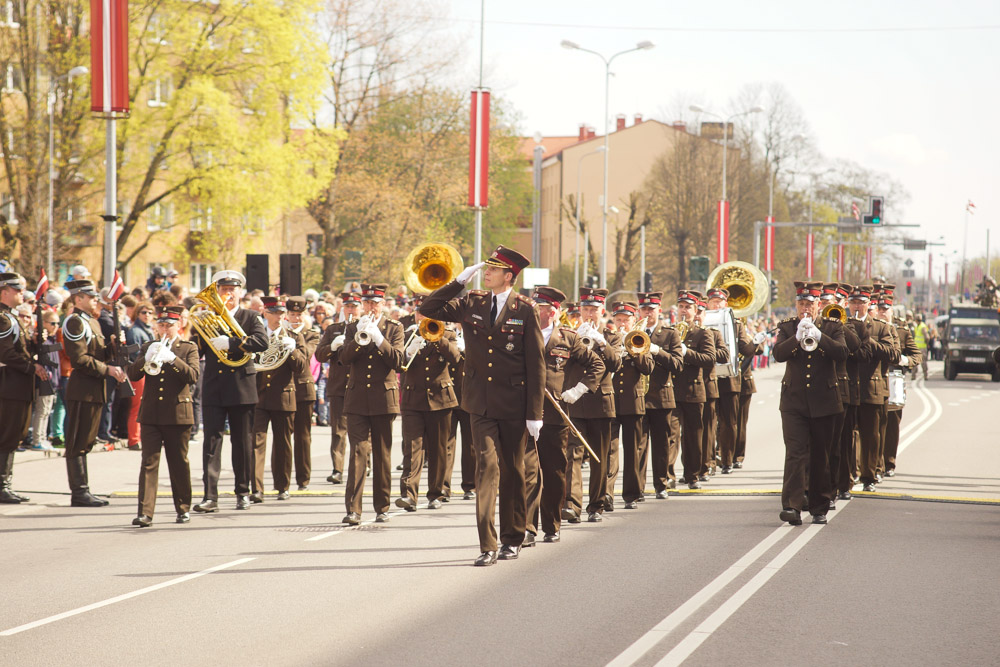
(698, 268)
(874, 216)
(647, 282)
(774, 291)
(593, 282)
(909, 286)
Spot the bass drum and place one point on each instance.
(724, 321)
(897, 387)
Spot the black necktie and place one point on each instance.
(493, 311)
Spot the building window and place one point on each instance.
(159, 216)
(13, 79)
(202, 219)
(314, 245)
(201, 275)
(9, 16)
(7, 210)
(159, 92)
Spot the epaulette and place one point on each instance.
(788, 319)
(525, 299)
(389, 319)
(478, 292)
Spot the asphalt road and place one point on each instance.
(906, 576)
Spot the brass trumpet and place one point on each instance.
(636, 340)
(428, 329)
(835, 311)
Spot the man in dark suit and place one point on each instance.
(545, 458)
(166, 413)
(86, 390)
(305, 389)
(328, 351)
(661, 429)
(230, 392)
(856, 329)
(503, 391)
(810, 402)
(698, 354)
(372, 401)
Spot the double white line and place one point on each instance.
(930, 413)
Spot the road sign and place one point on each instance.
(914, 244)
(909, 263)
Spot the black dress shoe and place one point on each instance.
(183, 517)
(738, 465)
(727, 470)
(671, 483)
(87, 499)
(382, 518)
(207, 506)
(9, 497)
(844, 495)
(406, 504)
(570, 515)
(641, 498)
(257, 497)
(529, 540)
(869, 486)
(833, 504)
(445, 499)
(486, 558)
(595, 517)
(434, 504)
(819, 518)
(890, 473)
(469, 495)
(352, 519)
(662, 495)
(632, 505)
(142, 521)
(399, 467)
(694, 485)
(609, 504)
(284, 495)
(303, 487)
(508, 552)
(791, 516)
(551, 537)
(336, 478)
(242, 502)
(702, 478)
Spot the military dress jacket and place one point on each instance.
(373, 386)
(505, 361)
(875, 354)
(305, 385)
(563, 353)
(167, 397)
(598, 403)
(17, 368)
(225, 385)
(855, 334)
(276, 387)
(629, 382)
(666, 362)
(84, 345)
(689, 384)
(337, 373)
(809, 385)
(427, 384)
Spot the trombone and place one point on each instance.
(428, 329)
(636, 341)
(572, 427)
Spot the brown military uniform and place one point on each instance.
(809, 404)
(461, 425)
(167, 416)
(504, 386)
(908, 348)
(336, 387)
(662, 429)
(709, 416)
(17, 377)
(428, 397)
(305, 400)
(691, 394)
(728, 405)
(371, 403)
(630, 408)
(842, 452)
(276, 405)
(873, 360)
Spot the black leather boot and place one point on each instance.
(76, 471)
(7, 495)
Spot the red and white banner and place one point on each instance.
(43, 286)
(479, 148)
(855, 211)
(109, 57)
(809, 255)
(930, 267)
(769, 244)
(117, 288)
(723, 231)
(868, 262)
(840, 262)
(946, 273)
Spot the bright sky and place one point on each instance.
(909, 87)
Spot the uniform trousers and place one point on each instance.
(425, 434)
(281, 447)
(741, 434)
(710, 420)
(871, 418)
(552, 444)
(338, 433)
(303, 442)
(807, 451)
(728, 412)
(842, 450)
(893, 419)
(461, 426)
(692, 430)
(597, 433)
(633, 458)
(883, 428)
(242, 441)
(574, 474)
(15, 422)
(500, 447)
(370, 435)
(82, 422)
(660, 432)
(612, 460)
(173, 440)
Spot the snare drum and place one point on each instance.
(897, 387)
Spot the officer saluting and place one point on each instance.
(503, 390)
(810, 402)
(170, 366)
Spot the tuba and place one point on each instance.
(276, 352)
(211, 319)
(430, 266)
(747, 286)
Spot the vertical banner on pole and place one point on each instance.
(809, 255)
(479, 148)
(109, 57)
(769, 244)
(930, 267)
(723, 231)
(840, 262)
(868, 262)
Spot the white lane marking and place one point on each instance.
(926, 424)
(761, 401)
(963, 400)
(697, 637)
(954, 404)
(917, 386)
(644, 643)
(122, 598)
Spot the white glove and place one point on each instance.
(904, 360)
(596, 336)
(654, 348)
(415, 346)
(814, 333)
(221, 343)
(151, 350)
(759, 337)
(376, 335)
(573, 394)
(337, 343)
(460, 343)
(465, 276)
(168, 356)
(684, 349)
(288, 344)
(534, 427)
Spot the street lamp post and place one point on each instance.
(641, 46)
(723, 205)
(79, 70)
(576, 263)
